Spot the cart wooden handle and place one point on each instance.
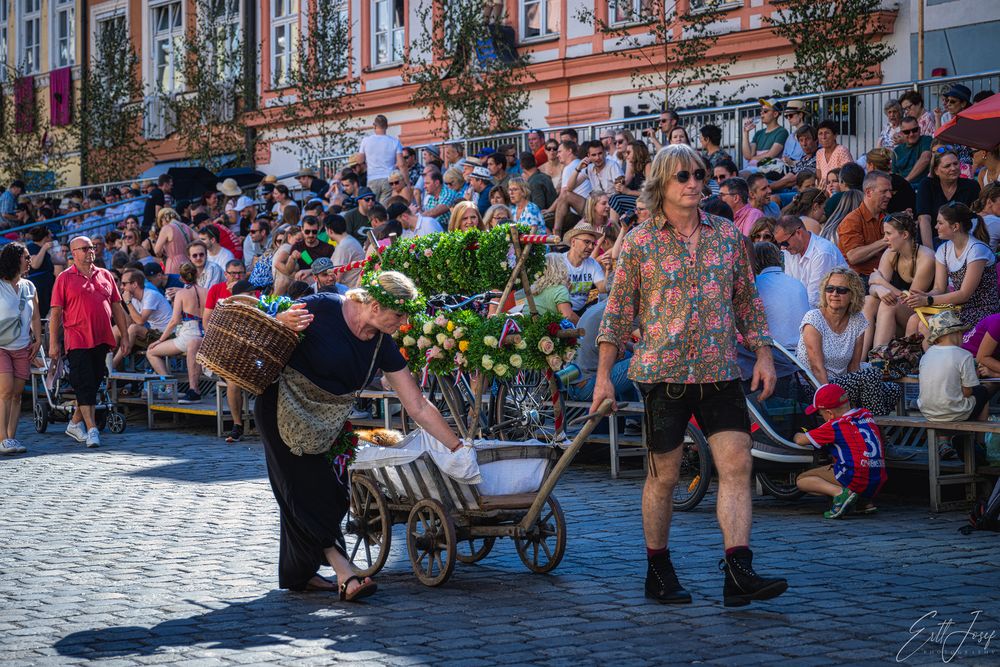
(567, 457)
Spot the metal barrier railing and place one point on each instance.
(859, 111)
(103, 187)
(79, 214)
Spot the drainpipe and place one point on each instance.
(250, 100)
(84, 74)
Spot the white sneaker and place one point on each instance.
(93, 438)
(14, 442)
(76, 431)
(7, 447)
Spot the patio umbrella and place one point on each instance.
(977, 126)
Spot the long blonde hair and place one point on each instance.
(853, 283)
(165, 217)
(668, 161)
(458, 212)
(555, 273)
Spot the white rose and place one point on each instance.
(441, 338)
(515, 360)
(555, 363)
(487, 362)
(428, 327)
(500, 369)
(521, 345)
(408, 341)
(490, 341)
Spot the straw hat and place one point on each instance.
(270, 178)
(582, 228)
(229, 187)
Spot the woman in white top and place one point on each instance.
(965, 270)
(19, 343)
(832, 339)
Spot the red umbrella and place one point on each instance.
(977, 126)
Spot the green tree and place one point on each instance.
(835, 42)
(209, 119)
(318, 97)
(666, 46)
(468, 79)
(110, 114)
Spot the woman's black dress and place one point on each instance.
(312, 498)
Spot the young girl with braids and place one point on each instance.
(808, 205)
(905, 265)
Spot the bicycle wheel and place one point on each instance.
(780, 484)
(696, 471)
(522, 409)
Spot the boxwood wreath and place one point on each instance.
(464, 341)
(458, 262)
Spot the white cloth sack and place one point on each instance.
(461, 466)
(513, 476)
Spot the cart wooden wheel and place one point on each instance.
(474, 549)
(542, 548)
(430, 542)
(41, 415)
(368, 529)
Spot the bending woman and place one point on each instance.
(346, 340)
(189, 305)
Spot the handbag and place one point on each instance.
(310, 418)
(10, 328)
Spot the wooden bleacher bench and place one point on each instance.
(620, 446)
(905, 450)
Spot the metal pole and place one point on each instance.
(920, 40)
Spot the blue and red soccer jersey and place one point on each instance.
(855, 443)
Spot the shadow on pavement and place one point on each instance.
(278, 619)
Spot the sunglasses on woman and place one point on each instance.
(830, 289)
(685, 176)
(763, 237)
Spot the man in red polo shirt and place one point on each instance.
(85, 298)
(235, 271)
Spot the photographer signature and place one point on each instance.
(945, 633)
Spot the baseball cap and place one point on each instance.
(321, 264)
(828, 396)
(152, 269)
(770, 102)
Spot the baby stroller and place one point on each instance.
(50, 405)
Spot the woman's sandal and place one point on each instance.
(362, 591)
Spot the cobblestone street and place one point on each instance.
(161, 547)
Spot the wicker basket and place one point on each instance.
(244, 345)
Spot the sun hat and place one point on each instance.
(944, 323)
(827, 397)
(244, 202)
(482, 173)
(306, 171)
(229, 187)
(582, 228)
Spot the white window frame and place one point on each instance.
(4, 39)
(229, 28)
(709, 6)
(545, 30)
(174, 34)
(59, 9)
(99, 23)
(391, 34)
(285, 18)
(638, 12)
(29, 15)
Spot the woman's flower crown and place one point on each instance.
(409, 306)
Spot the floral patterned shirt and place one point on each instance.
(688, 309)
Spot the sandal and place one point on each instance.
(362, 591)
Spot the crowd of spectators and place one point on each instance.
(845, 250)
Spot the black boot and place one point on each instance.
(743, 585)
(661, 581)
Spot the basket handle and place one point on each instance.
(244, 299)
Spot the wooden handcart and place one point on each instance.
(448, 521)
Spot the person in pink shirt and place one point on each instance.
(735, 192)
(85, 301)
(830, 155)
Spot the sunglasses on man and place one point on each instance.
(685, 176)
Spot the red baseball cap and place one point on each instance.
(827, 397)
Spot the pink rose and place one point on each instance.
(545, 345)
(448, 343)
(554, 362)
(440, 320)
(428, 252)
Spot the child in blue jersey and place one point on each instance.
(855, 443)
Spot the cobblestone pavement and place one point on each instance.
(161, 547)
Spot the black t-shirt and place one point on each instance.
(903, 195)
(156, 198)
(319, 187)
(355, 221)
(320, 250)
(332, 357)
(930, 197)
